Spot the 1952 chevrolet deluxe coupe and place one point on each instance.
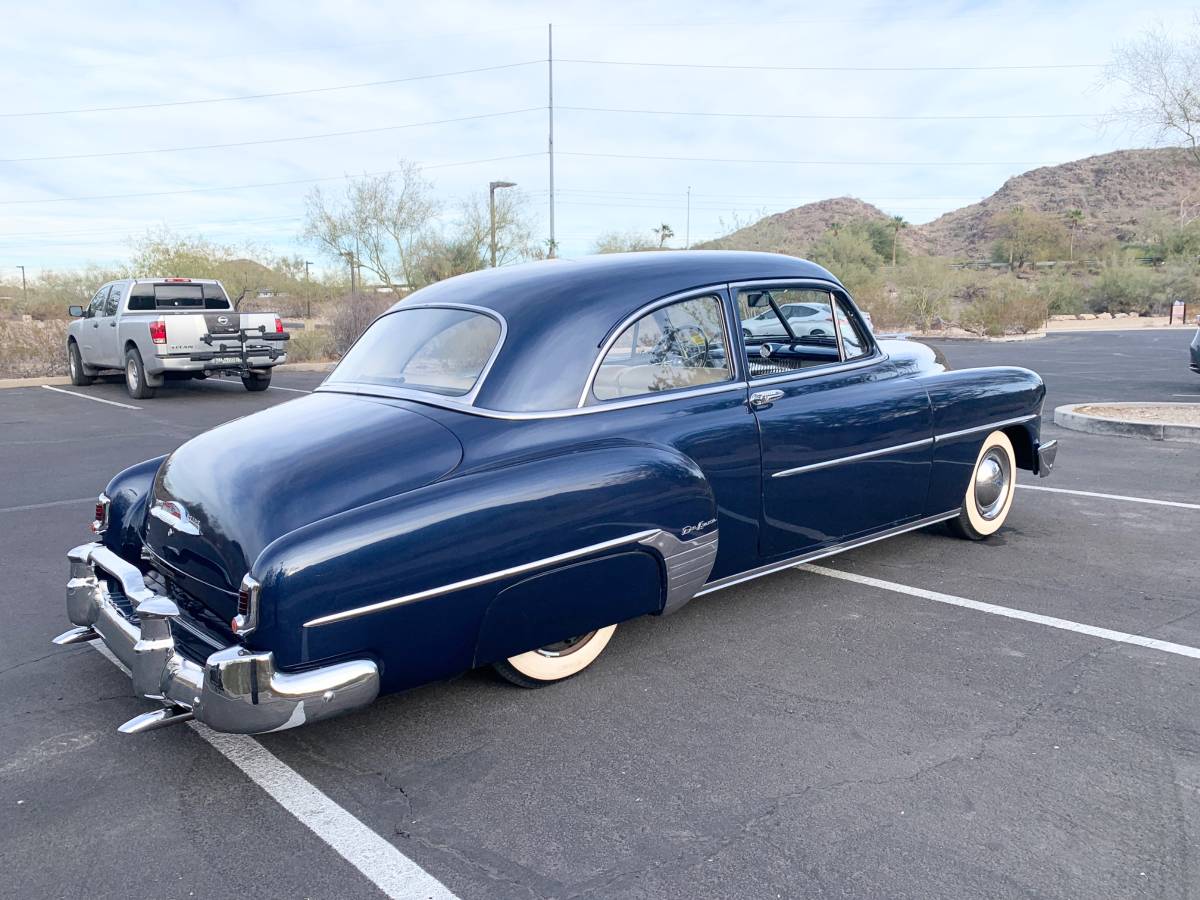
(508, 464)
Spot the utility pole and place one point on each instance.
(550, 70)
(687, 232)
(350, 259)
(307, 290)
(492, 185)
(24, 292)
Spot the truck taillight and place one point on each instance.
(158, 332)
(246, 619)
(100, 523)
(278, 325)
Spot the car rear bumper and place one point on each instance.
(235, 689)
(212, 362)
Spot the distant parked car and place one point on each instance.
(154, 329)
(492, 476)
(805, 320)
(1196, 348)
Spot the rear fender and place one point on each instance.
(488, 564)
(127, 494)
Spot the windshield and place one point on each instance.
(440, 350)
(175, 295)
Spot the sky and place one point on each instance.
(754, 107)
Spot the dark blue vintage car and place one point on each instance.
(509, 463)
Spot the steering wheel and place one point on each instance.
(688, 343)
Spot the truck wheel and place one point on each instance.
(990, 491)
(79, 377)
(135, 376)
(555, 662)
(256, 382)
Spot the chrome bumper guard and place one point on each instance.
(1045, 457)
(236, 690)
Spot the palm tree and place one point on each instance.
(1074, 219)
(897, 224)
(665, 232)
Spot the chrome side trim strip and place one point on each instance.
(951, 435)
(483, 579)
(812, 467)
(688, 563)
(813, 555)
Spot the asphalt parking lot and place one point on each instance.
(802, 735)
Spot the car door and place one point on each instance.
(845, 439)
(89, 328)
(108, 343)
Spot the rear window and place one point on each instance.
(443, 351)
(173, 295)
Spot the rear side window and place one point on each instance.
(175, 295)
(671, 348)
(439, 350)
(854, 342)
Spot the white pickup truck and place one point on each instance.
(155, 329)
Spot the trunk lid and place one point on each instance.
(226, 494)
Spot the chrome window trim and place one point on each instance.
(467, 399)
(813, 555)
(716, 290)
(812, 467)
(1003, 423)
(487, 578)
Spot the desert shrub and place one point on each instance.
(1125, 288)
(310, 345)
(30, 349)
(1064, 295)
(925, 287)
(1008, 307)
(350, 316)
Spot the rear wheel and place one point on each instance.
(555, 662)
(79, 376)
(135, 376)
(257, 382)
(990, 492)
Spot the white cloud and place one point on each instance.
(75, 55)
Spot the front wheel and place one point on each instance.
(555, 662)
(256, 382)
(79, 377)
(990, 492)
(135, 376)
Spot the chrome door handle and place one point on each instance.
(763, 399)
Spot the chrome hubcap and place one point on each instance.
(131, 375)
(567, 647)
(991, 483)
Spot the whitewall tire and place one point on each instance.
(555, 662)
(989, 494)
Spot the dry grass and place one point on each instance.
(31, 349)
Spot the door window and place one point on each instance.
(674, 347)
(96, 306)
(786, 329)
(110, 304)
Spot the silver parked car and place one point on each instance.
(152, 329)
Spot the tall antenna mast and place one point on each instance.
(550, 69)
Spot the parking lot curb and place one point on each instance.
(1069, 417)
(32, 382)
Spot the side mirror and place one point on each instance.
(758, 299)
(76, 312)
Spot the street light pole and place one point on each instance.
(492, 185)
(307, 289)
(24, 292)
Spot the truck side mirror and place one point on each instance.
(76, 312)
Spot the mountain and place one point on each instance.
(793, 231)
(1118, 192)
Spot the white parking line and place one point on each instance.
(293, 390)
(1178, 503)
(8, 509)
(86, 397)
(1037, 618)
(385, 866)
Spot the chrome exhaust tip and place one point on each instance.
(159, 718)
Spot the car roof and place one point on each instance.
(559, 312)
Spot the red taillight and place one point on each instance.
(99, 511)
(278, 325)
(100, 523)
(177, 280)
(158, 332)
(246, 619)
